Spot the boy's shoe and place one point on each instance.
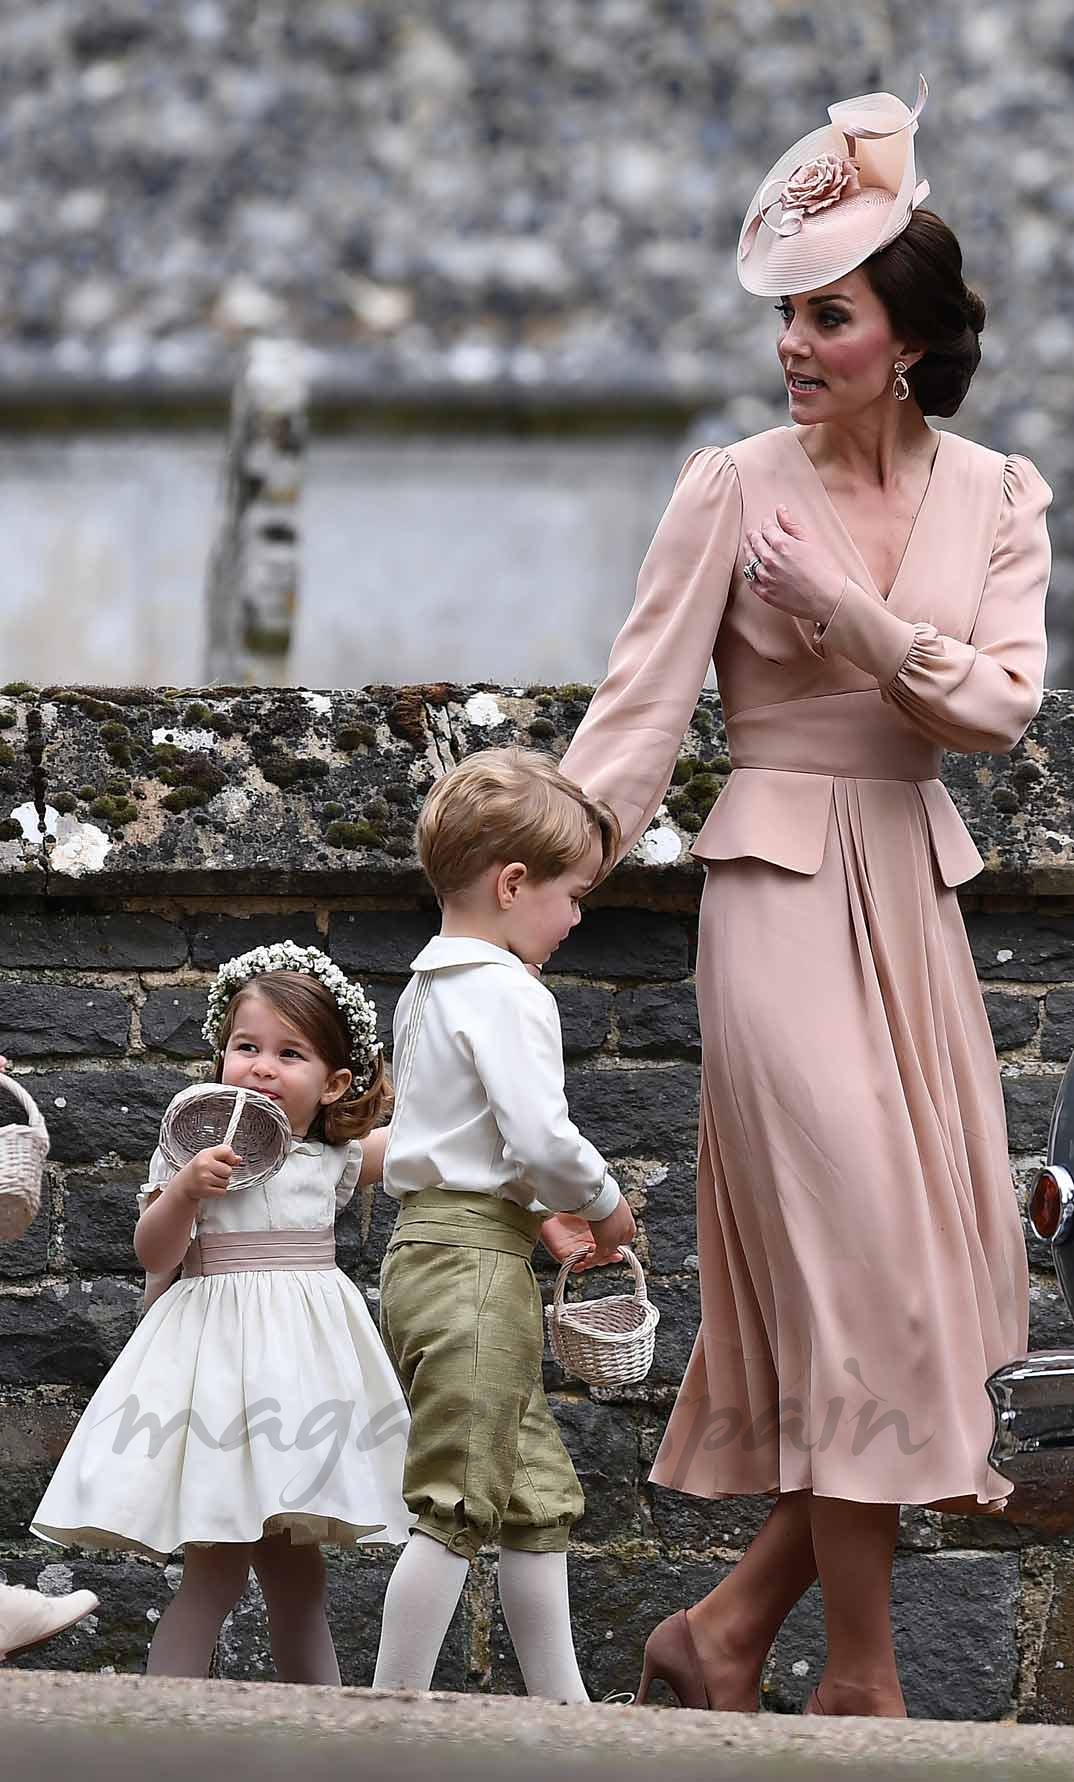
(28, 1616)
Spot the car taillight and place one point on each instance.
(1051, 1204)
(1045, 1205)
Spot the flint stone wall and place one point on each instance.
(525, 209)
(157, 832)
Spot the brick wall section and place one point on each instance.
(101, 998)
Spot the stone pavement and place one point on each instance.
(117, 1729)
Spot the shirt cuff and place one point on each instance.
(867, 633)
(603, 1202)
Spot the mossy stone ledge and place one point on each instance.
(248, 790)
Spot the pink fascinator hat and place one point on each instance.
(837, 196)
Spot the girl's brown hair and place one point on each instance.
(313, 1012)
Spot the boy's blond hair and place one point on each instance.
(509, 804)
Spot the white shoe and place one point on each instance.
(28, 1616)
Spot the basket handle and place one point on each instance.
(236, 1116)
(29, 1105)
(640, 1290)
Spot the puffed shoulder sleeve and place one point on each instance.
(160, 1172)
(979, 695)
(625, 747)
(352, 1169)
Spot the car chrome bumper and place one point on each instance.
(1033, 1403)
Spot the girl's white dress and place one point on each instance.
(244, 1404)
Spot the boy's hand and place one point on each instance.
(618, 1228)
(206, 1175)
(564, 1234)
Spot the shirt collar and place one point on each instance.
(444, 951)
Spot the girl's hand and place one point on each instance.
(792, 573)
(206, 1175)
(564, 1234)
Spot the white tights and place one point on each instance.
(214, 1578)
(423, 1594)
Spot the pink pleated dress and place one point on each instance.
(861, 1255)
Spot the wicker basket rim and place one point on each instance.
(649, 1320)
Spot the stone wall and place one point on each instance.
(154, 833)
(526, 209)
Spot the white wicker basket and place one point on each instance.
(212, 1114)
(23, 1150)
(606, 1342)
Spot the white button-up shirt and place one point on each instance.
(480, 1105)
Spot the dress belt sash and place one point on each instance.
(249, 1252)
(850, 736)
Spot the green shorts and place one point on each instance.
(460, 1314)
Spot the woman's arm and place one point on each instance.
(980, 695)
(626, 744)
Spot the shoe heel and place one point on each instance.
(648, 1672)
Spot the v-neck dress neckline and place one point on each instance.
(867, 578)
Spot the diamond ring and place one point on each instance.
(750, 569)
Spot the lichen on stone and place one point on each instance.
(285, 770)
(352, 835)
(117, 811)
(355, 736)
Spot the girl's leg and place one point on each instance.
(536, 1607)
(734, 1626)
(213, 1580)
(422, 1596)
(293, 1584)
(855, 1548)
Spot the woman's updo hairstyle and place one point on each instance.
(918, 279)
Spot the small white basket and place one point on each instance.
(605, 1342)
(23, 1150)
(210, 1114)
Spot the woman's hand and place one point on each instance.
(792, 573)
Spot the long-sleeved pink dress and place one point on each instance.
(861, 1256)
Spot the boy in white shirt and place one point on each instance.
(484, 1159)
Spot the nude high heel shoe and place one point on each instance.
(671, 1656)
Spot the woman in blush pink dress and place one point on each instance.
(871, 592)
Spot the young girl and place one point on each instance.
(254, 1413)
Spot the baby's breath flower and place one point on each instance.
(358, 1011)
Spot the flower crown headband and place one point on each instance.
(354, 1005)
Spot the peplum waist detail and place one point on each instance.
(786, 759)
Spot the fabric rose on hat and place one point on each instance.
(817, 184)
